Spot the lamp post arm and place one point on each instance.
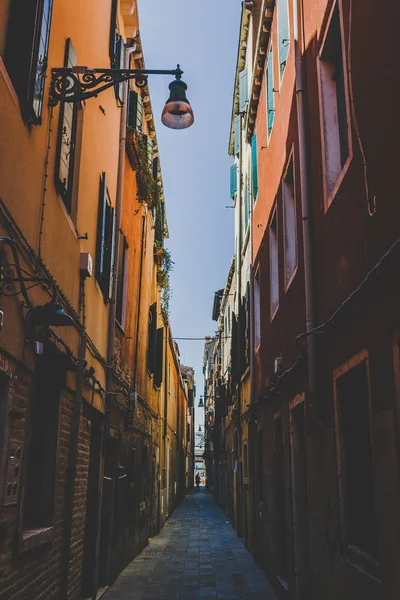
(80, 83)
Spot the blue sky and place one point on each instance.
(201, 35)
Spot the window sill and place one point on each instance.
(33, 538)
(120, 327)
(329, 198)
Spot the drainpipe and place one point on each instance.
(118, 211)
(308, 245)
(139, 304)
(113, 304)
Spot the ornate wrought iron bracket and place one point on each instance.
(80, 83)
(14, 280)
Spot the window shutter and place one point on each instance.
(246, 206)
(119, 64)
(113, 32)
(283, 33)
(66, 139)
(150, 151)
(139, 114)
(132, 109)
(254, 166)
(159, 356)
(270, 92)
(233, 180)
(243, 90)
(111, 251)
(155, 168)
(13, 472)
(237, 133)
(101, 229)
(152, 334)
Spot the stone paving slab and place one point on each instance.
(196, 556)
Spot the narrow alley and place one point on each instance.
(197, 555)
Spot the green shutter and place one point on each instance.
(283, 33)
(237, 135)
(254, 166)
(270, 91)
(246, 207)
(139, 113)
(101, 228)
(111, 250)
(233, 179)
(113, 32)
(158, 371)
(243, 90)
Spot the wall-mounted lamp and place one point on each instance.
(76, 84)
(201, 403)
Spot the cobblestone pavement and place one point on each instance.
(196, 556)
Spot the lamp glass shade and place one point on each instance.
(177, 113)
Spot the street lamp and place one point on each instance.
(76, 84)
(201, 403)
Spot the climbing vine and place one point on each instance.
(165, 265)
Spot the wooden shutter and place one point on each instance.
(233, 180)
(139, 114)
(243, 90)
(119, 64)
(237, 133)
(152, 332)
(66, 138)
(158, 372)
(283, 33)
(101, 229)
(13, 472)
(150, 145)
(110, 252)
(254, 166)
(113, 32)
(155, 167)
(132, 109)
(270, 92)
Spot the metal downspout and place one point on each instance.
(113, 304)
(308, 245)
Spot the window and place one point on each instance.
(237, 134)
(273, 264)
(243, 90)
(270, 91)
(25, 54)
(113, 34)
(352, 397)
(152, 338)
(105, 242)
(289, 223)
(333, 98)
(119, 64)
(233, 180)
(246, 207)
(135, 111)
(283, 34)
(122, 282)
(67, 141)
(39, 496)
(254, 167)
(257, 310)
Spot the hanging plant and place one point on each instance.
(164, 267)
(149, 191)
